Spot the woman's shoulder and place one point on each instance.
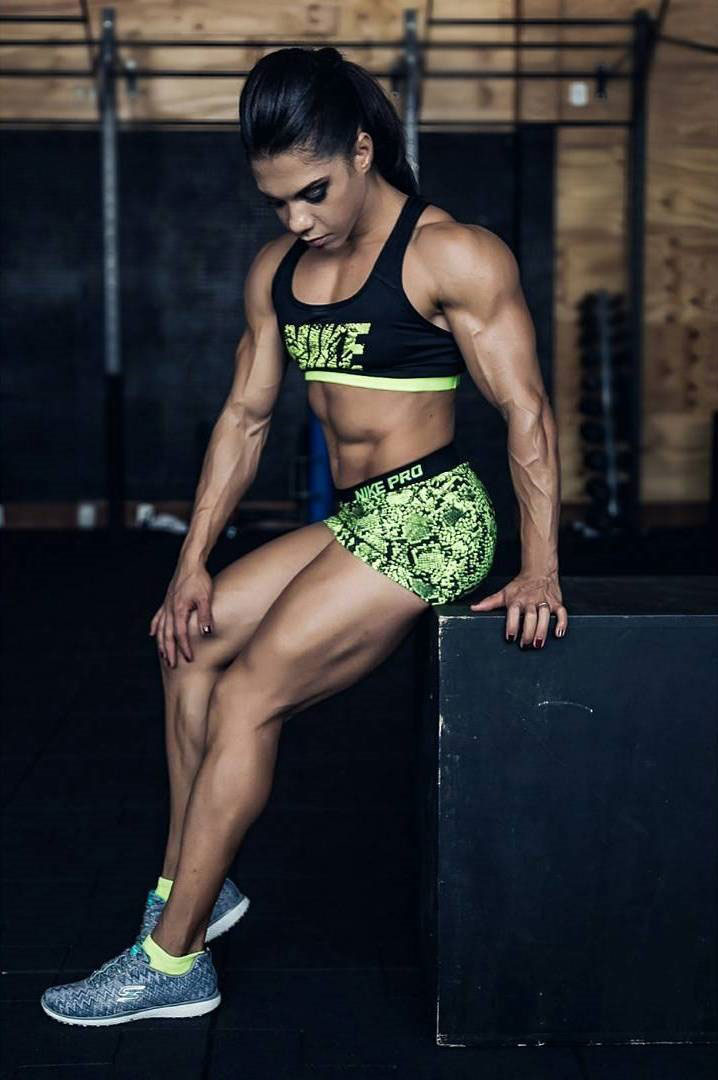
(267, 259)
(432, 214)
(435, 222)
(275, 249)
(440, 237)
(264, 266)
(463, 256)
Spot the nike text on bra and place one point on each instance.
(325, 345)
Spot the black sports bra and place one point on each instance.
(374, 338)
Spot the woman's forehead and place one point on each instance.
(289, 172)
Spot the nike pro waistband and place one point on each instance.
(422, 468)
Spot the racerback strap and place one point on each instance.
(388, 265)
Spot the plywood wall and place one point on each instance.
(680, 379)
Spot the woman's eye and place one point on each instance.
(313, 196)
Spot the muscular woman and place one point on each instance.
(382, 300)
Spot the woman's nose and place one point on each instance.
(299, 221)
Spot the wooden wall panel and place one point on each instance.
(680, 380)
(680, 376)
(538, 99)
(477, 98)
(183, 98)
(590, 196)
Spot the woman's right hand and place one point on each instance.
(189, 589)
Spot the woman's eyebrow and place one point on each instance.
(300, 192)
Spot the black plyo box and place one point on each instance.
(568, 810)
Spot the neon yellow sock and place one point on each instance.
(164, 886)
(166, 962)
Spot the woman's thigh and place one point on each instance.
(245, 590)
(334, 622)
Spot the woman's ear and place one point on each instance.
(364, 151)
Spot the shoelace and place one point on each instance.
(154, 901)
(132, 950)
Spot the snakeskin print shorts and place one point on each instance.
(430, 525)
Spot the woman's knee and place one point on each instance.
(242, 705)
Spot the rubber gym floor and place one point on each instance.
(322, 977)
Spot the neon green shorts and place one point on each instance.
(429, 525)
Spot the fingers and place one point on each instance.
(536, 623)
(530, 622)
(561, 621)
(171, 626)
(537, 619)
(168, 638)
(182, 636)
(543, 618)
(204, 619)
(495, 600)
(513, 621)
(160, 634)
(536, 614)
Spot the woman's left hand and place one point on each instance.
(522, 596)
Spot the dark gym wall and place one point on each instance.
(50, 315)
(191, 223)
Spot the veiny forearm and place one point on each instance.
(229, 467)
(535, 472)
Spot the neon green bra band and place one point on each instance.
(376, 382)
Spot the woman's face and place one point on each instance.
(316, 197)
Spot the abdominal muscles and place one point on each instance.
(370, 431)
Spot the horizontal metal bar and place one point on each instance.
(174, 43)
(440, 124)
(41, 19)
(703, 46)
(46, 73)
(524, 123)
(183, 73)
(435, 21)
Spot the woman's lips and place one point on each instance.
(318, 241)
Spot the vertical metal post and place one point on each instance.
(642, 46)
(114, 387)
(412, 87)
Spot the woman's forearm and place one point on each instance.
(535, 473)
(229, 467)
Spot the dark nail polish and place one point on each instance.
(538, 643)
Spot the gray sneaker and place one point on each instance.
(128, 988)
(229, 907)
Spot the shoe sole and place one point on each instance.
(227, 921)
(189, 1008)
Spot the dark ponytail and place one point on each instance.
(313, 100)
